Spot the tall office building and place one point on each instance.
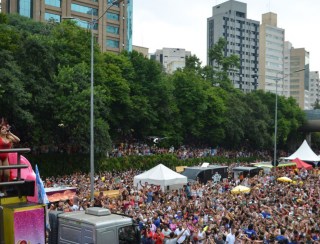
(271, 57)
(171, 58)
(113, 30)
(229, 20)
(299, 81)
(314, 88)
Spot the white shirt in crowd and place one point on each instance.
(184, 235)
(231, 238)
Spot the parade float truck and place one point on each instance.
(23, 220)
(95, 225)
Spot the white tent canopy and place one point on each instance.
(161, 175)
(304, 153)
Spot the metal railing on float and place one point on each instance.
(17, 166)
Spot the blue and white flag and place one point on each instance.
(42, 195)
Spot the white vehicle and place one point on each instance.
(96, 226)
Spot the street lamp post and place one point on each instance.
(276, 113)
(92, 24)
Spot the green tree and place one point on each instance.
(257, 126)
(236, 119)
(14, 96)
(221, 65)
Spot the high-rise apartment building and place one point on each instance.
(229, 20)
(113, 30)
(314, 88)
(271, 57)
(286, 68)
(299, 81)
(171, 58)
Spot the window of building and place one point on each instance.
(112, 1)
(240, 14)
(84, 9)
(112, 43)
(55, 3)
(25, 8)
(8, 7)
(113, 29)
(86, 24)
(52, 17)
(113, 16)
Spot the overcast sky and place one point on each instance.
(183, 23)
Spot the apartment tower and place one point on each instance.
(299, 81)
(171, 58)
(229, 20)
(314, 88)
(113, 31)
(271, 60)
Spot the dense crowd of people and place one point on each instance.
(272, 212)
(183, 152)
(144, 149)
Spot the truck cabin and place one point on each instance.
(242, 172)
(215, 173)
(95, 225)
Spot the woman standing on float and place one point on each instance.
(6, 140)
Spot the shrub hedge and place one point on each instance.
(54, 164)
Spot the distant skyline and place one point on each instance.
(183, 24)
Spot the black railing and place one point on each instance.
(17, 166)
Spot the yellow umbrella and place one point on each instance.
(284, 179)
(240, 189)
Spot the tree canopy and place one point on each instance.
(45, 95)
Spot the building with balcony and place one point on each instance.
(314, 88)
(229, 20)
(271, 57)
(299, 81)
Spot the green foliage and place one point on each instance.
(50, 164)
(221, 65)
(45, 92)
(3, 18)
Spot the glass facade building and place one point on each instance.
(129, 24)
(115, 19)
